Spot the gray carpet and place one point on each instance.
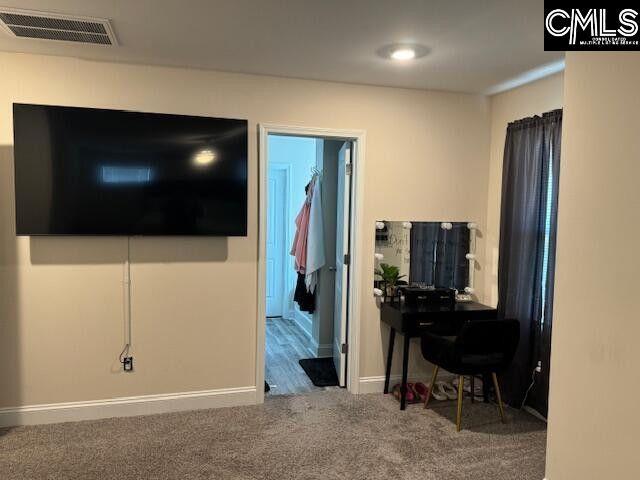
(325, 435)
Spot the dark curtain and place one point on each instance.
(452, 269)
(438, 256)
(529, 183)
(424, 244)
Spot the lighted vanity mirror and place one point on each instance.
(425, 254)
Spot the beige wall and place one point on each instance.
(594, 426)
(531, 99)
(194, 305)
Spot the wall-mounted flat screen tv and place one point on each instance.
(88, 171)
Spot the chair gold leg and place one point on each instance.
(498, 396)
(460, 395)
(433, 382)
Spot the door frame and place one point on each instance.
(358, 137)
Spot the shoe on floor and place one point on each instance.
(478, 394)
(411, 387)
(467, 384)
(450, 392)
(421, 390)
(438, 393)
(411, 396)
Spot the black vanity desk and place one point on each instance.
(412, 321)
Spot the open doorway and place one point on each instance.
(308, 218)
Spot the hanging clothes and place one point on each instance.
(315, 239)
(305, 300)
(299, 247)
(308, 246)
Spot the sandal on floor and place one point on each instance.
(410, 396)
(421, 390)
(395, 391)
(411, 387)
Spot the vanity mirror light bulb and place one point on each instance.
(378, 256)
(377, 292)
(446, 225)
(468, 290)
(472, 225)
(379, 225)
(470, 256)
(406, 225)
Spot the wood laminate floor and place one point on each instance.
(285, 345)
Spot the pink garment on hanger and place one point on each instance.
(299, 247)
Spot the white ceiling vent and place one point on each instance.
(52, 26)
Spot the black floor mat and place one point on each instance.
(321, 371)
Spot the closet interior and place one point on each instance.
(303, 212)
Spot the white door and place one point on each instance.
(277, 253)
(342, 266)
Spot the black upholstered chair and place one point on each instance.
(482, 347)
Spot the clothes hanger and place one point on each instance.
(315, 172)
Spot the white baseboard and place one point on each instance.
(126, 406)
(324, 350)
(304, 321)
(376, 384)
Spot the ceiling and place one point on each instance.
(475, 44)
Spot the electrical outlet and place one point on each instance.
(127, 364)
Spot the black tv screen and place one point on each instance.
(87, 171)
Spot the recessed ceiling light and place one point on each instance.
(403, 52)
